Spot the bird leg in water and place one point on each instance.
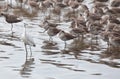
(50, 39)
(91, 42)
(43, 31)
(30, 52)
(12, 28)
(65, 44)
(26, 51)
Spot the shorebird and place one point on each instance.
(77, 32)
(64, 36)
(52, 31)
(112, 10)
(105, 37)
(28, 40)
(104, 19)
(117, 29)
(99, 4)
(46, 24)
(109, 19)
(91, 16)
(114, 40)
(78, 22)
(110, 22)
(57, 11)
(95, 29)
(78, 27)
(98, 10)
(11, 19)
(46, 5)
(74, 4)
(83, 8)
(109, 27)
(115, 3)
(33, 3)
(65, 2)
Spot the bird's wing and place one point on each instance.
(30, 40)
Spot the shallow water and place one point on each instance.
(50, 61)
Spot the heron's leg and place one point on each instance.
(30, 52)
(26, 51)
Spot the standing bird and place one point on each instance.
(46, 25)
(115, 3)
(27, 41)
(11, 19)
(52, 31)
(65, 37)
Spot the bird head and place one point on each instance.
(2, 14)
(105, 9)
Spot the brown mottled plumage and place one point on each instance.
(65, 36)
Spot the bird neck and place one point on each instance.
(25, 30)
(61, 33)
(108, 22)
(5, 15)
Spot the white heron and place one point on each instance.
(28, 40)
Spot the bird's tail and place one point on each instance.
(34, 45)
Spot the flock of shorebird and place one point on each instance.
(102, 19)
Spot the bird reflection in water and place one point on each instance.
(50, 48)
(27, 68)
(109, 53)
(49, 45)
(75, 47)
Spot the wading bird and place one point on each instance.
(11, 19)
(64, 36)
(52, 31)
(27, 41)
